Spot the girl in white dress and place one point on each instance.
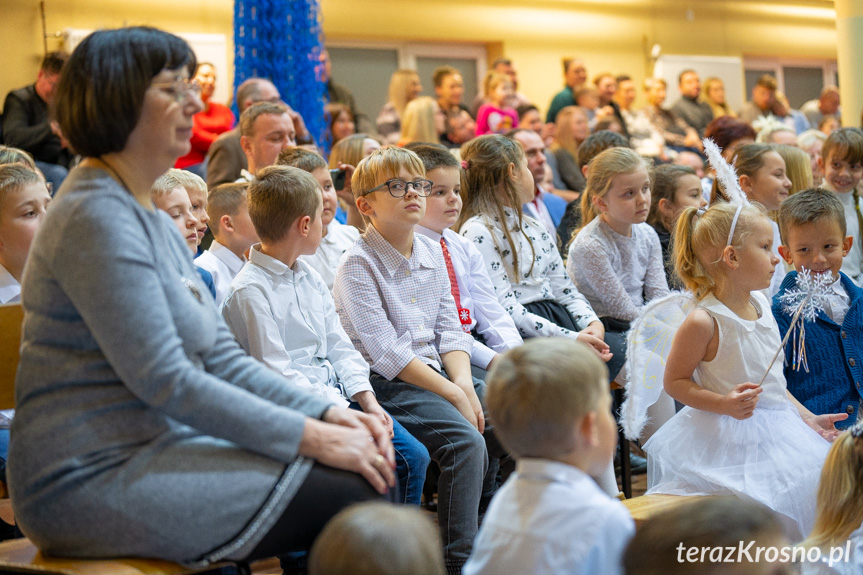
(839, 519)
(735, 436)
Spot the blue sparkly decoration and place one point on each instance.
(282, 40)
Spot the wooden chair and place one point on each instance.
(646, 506)
(20, 555)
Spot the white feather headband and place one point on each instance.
(727, 177)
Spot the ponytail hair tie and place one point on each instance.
(465, 164)
(700, 212)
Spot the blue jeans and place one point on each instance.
(457, 447)
(412, 461)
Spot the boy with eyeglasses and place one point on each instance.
(393, 295)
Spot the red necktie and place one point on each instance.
(463, 314)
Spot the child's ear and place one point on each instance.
(510, 170)
(820, 166)
(584, 169)
(745, 183)
(600, 203)
(226, 223)
(365, 206)
(785, 252)
(846, 245)
(589, 429)
(664, 207)
(304, 224)
(729, 256)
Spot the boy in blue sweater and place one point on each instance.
(812, 226)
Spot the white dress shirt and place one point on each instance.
(10, 289)
(538, 210)
(223, 265)
(286, 318)
(852, 264)
(551, 518)
(325, 260)
(838, 302)
(476, 293)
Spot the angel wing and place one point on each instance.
(648, 344)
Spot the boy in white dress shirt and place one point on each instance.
(24, 198)
(338, 238)
(479, 310)
(282, 314)
(551, 407)
(233, 235)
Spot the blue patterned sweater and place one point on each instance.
(834, 354)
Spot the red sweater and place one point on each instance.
(206, 128)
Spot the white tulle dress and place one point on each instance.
(772, 457)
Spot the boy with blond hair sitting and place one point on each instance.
(282, 313)
(550, 404)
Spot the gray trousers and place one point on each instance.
(459, 450)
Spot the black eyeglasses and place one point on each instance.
(398, 188)
(181, 88)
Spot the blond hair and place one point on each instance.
(603, 168)
(348, 150)
(225, 200)
(492, 80)
(486, 188)
(798, 167)
(14, 177)
(377, 538)
(381, 165)
(838, 509)
(537, 392)
(418, 121)
(564, 138)
(399, 84)
(277, 197)
(700, 239)
(175, 178)
(301, 158)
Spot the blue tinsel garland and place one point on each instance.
(282, 40)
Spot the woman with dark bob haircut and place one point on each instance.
(142, 429)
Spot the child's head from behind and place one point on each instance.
(169, 195)
(618, 188)
(704, 257)
(549, 398)
(672, 189)
(443, 206)
(798, 167)
(595, 144)
(842, 159)
(23, 201)
(229, 216)
(660, 545)
(384, 189)
(315, 165)
(285, 202)
(838, 510)
(195, 187)
(813, 229)
(377, 539)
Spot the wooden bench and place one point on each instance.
(21, 556)
(646, 506)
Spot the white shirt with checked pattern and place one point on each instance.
(395, 308)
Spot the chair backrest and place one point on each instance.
(11, 317)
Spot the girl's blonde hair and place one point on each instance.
(486, 188)
(840, 491)
(565, 139)
(798, 167)
(603, 168)
(399, 84)
(348, 150)
(701, 237)
(418, 121)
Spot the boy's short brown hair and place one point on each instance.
(13, 177)
(844, 144)
(225, 200)
(537, 392)
(434, 157)
(278, 196)
(815, 204)
(175, 178)
(301, 158)
(382, 165)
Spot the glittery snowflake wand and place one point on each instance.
(804, 302)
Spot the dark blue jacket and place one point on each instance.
(834, 354)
